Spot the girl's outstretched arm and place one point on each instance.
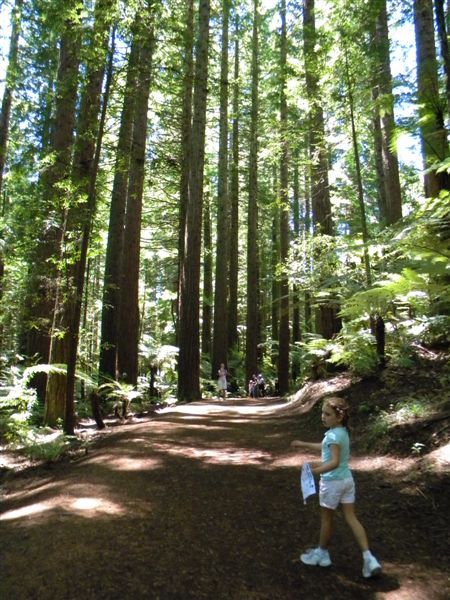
(314, 447)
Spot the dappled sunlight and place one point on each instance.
(26, 511)
(33, 490)
(390, 464)
(93, 506)
(223, 455)
(119, 462)
(238, 407)
(134, 464)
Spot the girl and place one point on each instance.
(336, 486)
(222, 381)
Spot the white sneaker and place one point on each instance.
(371, 567)
(316, 557)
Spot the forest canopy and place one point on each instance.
(257, 183)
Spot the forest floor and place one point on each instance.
(202, 501)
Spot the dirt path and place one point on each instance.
(203, 502)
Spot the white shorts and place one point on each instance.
(333, 492)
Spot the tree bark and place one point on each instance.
(186, 140)
(9, 85)
(114, 248)
(129, 291)
(207, 280)
(189, 331)
(432, 129)
(326, 321)
(43, 275)
(233, 337)
(252, 334)
(220, 330)
(443, 42)
(79, 217)
(385, 123)
(284, 334)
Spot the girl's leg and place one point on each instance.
(326, 527)
(358, 530)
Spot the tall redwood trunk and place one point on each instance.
(189, 330)
(284, 334)
(252, 333)
(129, 317)
(114, 247)
(220, 330)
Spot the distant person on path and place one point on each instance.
(222, 381)
(261, 385)
(336, 486)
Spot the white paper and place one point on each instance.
(307, 483)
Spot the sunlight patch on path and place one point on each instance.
(231, 456)
(83, 506)
(230, 407)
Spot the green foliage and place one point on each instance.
(381, 421)
(355, 350)
(40, 443)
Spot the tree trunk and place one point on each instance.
(296, 328)
(129, 290)
(5, 120)
(207, 281)
(432, 128)
(234, 203)
(275, 262)
(326, 321)
(443, 41)
(384, 115)
(283, 339)
(186, 141)
(43, 275)
(90, 176)
(189, 331)
(220, 331)
(9, 86)
(114, 247)
(252, 334)
(79, 216)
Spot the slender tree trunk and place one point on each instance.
(359, 183)
(207, 280)
(87, 166)
(326, 321)
(234, 202)
(114, 247)
(220, 331)
(9, 86)
(189, 338)
(384, 116)
(186, 141)
(5, 119)
(252, 335)
(275, 262)
(308, 257)
(443, 41)
(129, 290)
(296, 328)
(432, 128)
(283, 340)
